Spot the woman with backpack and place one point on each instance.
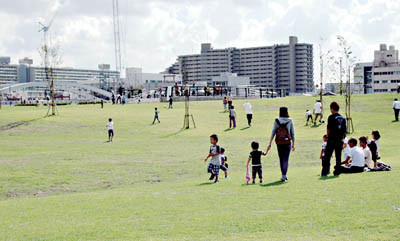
(283, 131)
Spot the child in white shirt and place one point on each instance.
(110, 127)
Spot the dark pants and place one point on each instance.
(249, 118)
(256, 170)
(332, 146)
(284, 153)
(309, 118)
(156, 118)
(170, 105)
(396, 114)
(229, 104)
(352, 169)
(232, 119)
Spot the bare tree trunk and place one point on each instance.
(53, 103)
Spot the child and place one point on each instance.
(225, 101)
(357, 158)
(325, 138)
(255, 158)
(374, 147)
(215, 162)
(110, 127)
(232, 117)
(309, 116)
(156, 115)
(224, 164)
(367, 153)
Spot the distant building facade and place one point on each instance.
(134, 77)
(383, 74)
(288, 67)
(24, 72)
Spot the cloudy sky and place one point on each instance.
(154, 32)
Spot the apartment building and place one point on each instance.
(287, 66)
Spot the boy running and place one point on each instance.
(224, 164)
(255, 158)
(110, 127)
(215, 162)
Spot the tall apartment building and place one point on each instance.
(288, 66)
(383, 74)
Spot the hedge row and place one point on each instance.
(89, 102)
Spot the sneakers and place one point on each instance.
(211, 177)
(254, 182)
(226, 177)
(260, 181)
(216, 181)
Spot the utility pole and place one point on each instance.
(117, 40)
(321, 74)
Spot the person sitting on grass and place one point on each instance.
(355, 160)
(374, 146)
(367, 153)
(156, 115)
(224, 164)
(255, 158)
(110, 127)
(309, 117)
(215, 162)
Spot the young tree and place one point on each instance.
(51, 58)
(349, 63)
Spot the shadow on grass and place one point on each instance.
(13, 125)
(316, 126)
(174, 134)
(394, 121)
(328, 178)
(223, 112)
(205, 184)
(228, 129)
(277, 183)
(245, 128)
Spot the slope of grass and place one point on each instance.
(61, 180)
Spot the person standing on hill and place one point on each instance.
(110, 128)
(249, 112)
(318, 111)
(230, 100)
(396, 108)
(283, 131)
(232, 117)
(156, 112)
(336, 132)
(170, 102)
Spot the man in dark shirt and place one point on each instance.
(336, 131)
(255, 158)
(170, 102)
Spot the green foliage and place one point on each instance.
(89, 102)
(61, 180)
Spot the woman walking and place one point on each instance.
(283, 131)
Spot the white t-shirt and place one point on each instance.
(323, 148)
(347, 148)
(308, 113)
(396, 104)
(318, 108)
(357, 156)
(247, 107)
(368, 156)
(110, 125)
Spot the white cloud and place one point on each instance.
(154, 32)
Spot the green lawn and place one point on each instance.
(61, 180)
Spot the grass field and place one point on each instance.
(61, 180)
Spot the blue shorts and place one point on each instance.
(214, 169)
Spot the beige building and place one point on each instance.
(386, 70)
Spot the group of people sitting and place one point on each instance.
(356, 158)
